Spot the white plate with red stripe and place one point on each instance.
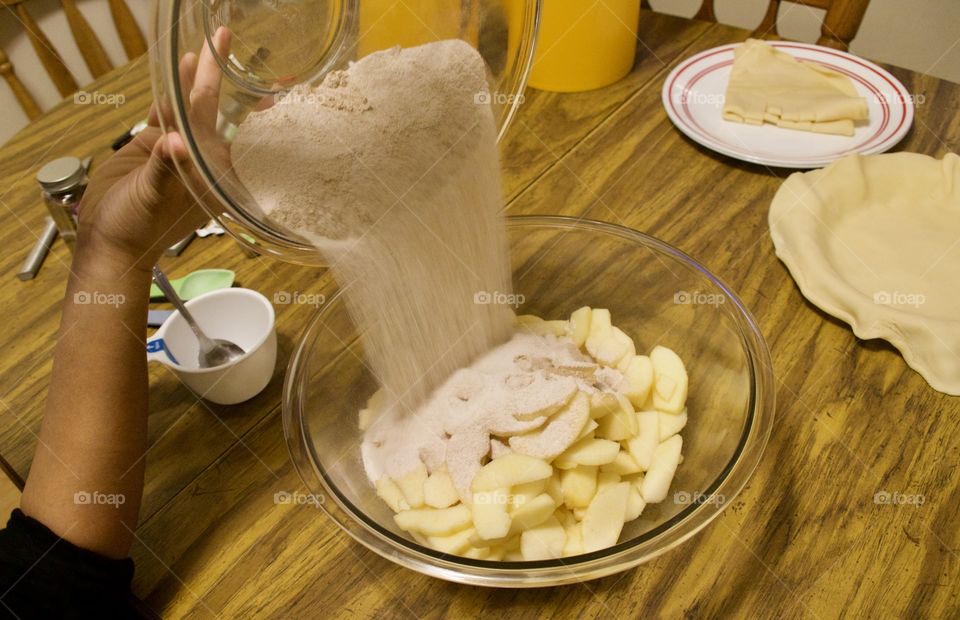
(693, 98)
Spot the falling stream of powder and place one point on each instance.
(391, 168)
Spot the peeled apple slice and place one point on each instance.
(603, 404)
(607, 344)
(510, 470)
(662, 468)
(588, 429)
(490, 516)
(438, 490)
(588, 452)
(606, 478)
(532, 513)
(637, 380)
(574, 544)
(579, 485)
(412, 486)
(543, 542)
(669, 380)
(642, 445)
(635, 503)
(604, 518)
(433, 522)
(620, 424)
(580, 325)
(454, 543)
(623, 465)
(523, 493)
(557, 434)
(391, 494)
(671, 424)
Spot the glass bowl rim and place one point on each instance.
(622, 556)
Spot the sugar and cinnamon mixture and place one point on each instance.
(391, 168)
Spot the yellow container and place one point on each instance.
(584, 44)
(386, 23)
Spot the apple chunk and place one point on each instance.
(669, 380)
(543, 542)
(434, 522)
(663, 466)
(510, 470)
(604, 518)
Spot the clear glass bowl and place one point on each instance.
(277, 44)
(658, 295)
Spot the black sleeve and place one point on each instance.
(44, 576)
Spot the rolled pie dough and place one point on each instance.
(875, 241)
(773, 86)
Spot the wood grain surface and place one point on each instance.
(805, 538)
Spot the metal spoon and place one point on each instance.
(213, 351)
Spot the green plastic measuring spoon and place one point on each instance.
(197, 283)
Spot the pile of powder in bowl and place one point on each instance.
(489, 438)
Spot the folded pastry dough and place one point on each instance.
(773, 86)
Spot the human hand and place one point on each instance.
(135, 204)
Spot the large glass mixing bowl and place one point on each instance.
(655, 293)
(277, 44)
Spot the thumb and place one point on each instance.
(157, 178)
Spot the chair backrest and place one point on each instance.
(839, 27)
(90, 47)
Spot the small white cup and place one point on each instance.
(240, 315)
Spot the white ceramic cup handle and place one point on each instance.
(157, 351)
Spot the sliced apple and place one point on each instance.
(663, 466)
(438, 490)
(637, 380)
(490, 516)
(642, 445)
(607, 344)
(620, 424)
(435, 522)
(635, 503)
(623, 465)
(574, 543)
(411, 485)
(557, 434)
(588, 451)
(543, 542)
(606, 478)
(603, 521)
(669, 380)
(555, 487)
(510, 470)
(579, 327)
(454, 543)
(588, 429)
(532, 513)
(391, 494)
(671, 424)
(603, 404)
(579, 485)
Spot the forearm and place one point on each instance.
(86, 480)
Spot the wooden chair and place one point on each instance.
(90, 48)
(840, 24)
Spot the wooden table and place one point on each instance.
(804, 538)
